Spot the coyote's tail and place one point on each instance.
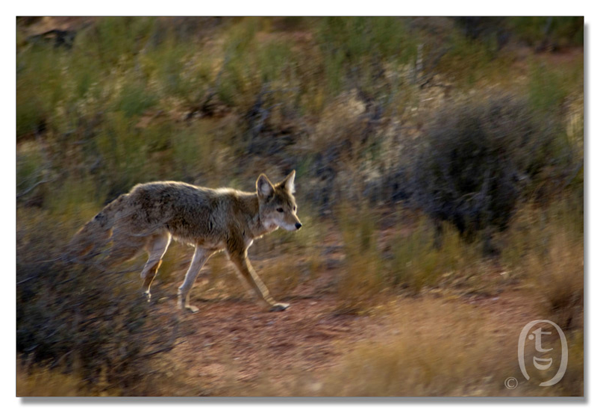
(95, 232)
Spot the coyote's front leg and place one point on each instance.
(242, 263)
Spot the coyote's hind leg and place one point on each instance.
(125, 246)
(156, 247)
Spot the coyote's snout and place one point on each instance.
(211, 220)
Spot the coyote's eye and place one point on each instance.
(279, 209)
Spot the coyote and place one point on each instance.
(211, 220)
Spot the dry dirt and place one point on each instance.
(232, 345)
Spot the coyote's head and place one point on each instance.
(277, 203)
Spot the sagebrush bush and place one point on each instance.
(478, 158)
(82, 318)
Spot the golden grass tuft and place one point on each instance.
(417, 263)
(545, 248)
(43, 382)
(281, 275)
(434, 348)
(558, 280)
(361, 278)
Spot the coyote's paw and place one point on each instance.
(186, 307)
(147, 295)
(191, 308)
(279, 307)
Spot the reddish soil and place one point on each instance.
(236, 338)
(236, 343)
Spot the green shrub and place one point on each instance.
(135, 99)
(40, 87)
(554, 30)
(357, 50)
(550, 88)
(115, 41)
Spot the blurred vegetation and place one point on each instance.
(438, 348)
(432, 149)
(478, 159)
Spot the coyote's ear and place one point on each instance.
(264, 187)
(288, 182)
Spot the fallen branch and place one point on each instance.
(32, 187)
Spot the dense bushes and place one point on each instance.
(82, 319)
(478, 158)
(542, 32)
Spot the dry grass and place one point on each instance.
(434, 348)
(418, 263)
(43, 382)
(281, 275)
(442, 348)
(409, 261)
(361, 279)
(558, 279)
(545, 249)
(167, 379)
